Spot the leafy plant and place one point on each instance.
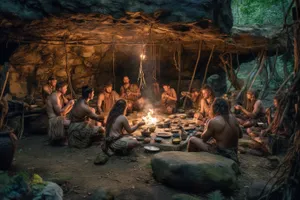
(216, 195)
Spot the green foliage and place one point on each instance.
(216, 195)
(260, 11)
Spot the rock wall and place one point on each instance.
(173, 10)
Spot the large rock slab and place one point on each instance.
(198, 172)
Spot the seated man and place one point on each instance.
(57, 109)
(254, 111)
(223, 128)
(81, 131)
(168, 99)
(49, 88)
(208, 98)
(117, 122)
(107, 99)
(193, 99)
(132, 94)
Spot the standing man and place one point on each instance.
(168, 99)
(107, 99)
(132, 94)
(49, 88)
(82, 131)
(57, 108)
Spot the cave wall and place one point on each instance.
(32, 64)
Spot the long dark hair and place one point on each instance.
(117, 110)
(221, 107)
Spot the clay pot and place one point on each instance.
(7, 149)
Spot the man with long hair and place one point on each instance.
(49, 87)
(82, 131)
(132, 94)
(57, 109)
(253, 112)
(107, 99)
(116, 139)
(223, 128)
(204, 110)
(168, 99)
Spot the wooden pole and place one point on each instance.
(296, 29)
(262, 64)
(206, 69)
(68, 73)
(113, 67)
(194, 72)
(179, 69)
(4, 85)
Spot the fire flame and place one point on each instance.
(149, 119)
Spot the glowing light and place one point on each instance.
(149, 119)
(142, 56)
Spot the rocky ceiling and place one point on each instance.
(134, 22)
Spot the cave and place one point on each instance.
(187, 44)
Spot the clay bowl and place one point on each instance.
(147, 140)
(176, 141)
(160, 125)
(174, 131)
(146, 133)
(167, 125)
(152, 128)
(158, 139)
(176, 135)
(140, 139)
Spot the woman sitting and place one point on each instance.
(116, 139)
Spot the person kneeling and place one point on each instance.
(223, 128)
(116, 140)
(81, 131)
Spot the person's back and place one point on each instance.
(117, 126)
(49, 105)
(226, 132)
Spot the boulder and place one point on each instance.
(197, 171)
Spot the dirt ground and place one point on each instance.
(126, 178)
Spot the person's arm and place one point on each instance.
(127, 127)
(93, 115)
(202, 105)
(99, 102)
(116, 96)
(65, 100)
(46, 90)
(122, 92)
(208, 132)
(256, 110)
(173, 97)
(58, 109)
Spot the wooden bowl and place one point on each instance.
(152, 128)
(147, 140)
(146, 133)
(158, 139)
(176, 135)
(176, 141)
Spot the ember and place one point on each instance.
(149, 119)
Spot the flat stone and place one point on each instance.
(195, 171)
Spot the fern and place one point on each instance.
(216, 195)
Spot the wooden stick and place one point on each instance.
(113, 67)
(262, 63)
(195, 69)
(22, 122)
(179, 70)
(4, 85)
(206, 69)
(284, 82)
(68, 73)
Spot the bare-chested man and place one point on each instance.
(223, 128)
(57, 108)
(254, 111)
(132, 94)
(168, 99)
(49, 88)
(107, 99)
(208, 98)
(117, 122)
(81, 131)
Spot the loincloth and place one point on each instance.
(80, 134)
(230, 153)
(56, 128)
(121, 144)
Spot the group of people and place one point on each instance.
(78, 124)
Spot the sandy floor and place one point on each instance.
(125, 177)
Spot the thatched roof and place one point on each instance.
(138, 28)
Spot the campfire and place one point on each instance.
(150, 120)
